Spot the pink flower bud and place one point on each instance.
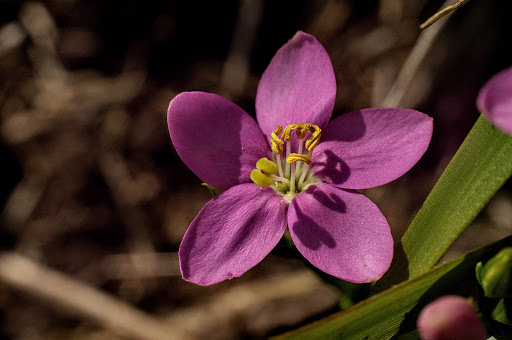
(450, 318)
(495, 100)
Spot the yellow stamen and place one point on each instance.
(288, 130)
(289, 171)
(302, 129)
(266, 165)
(277, 143)
(294, 157)
(313, 141)
(260, 178)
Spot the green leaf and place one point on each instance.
(213, 191)
(394, 311)
(503, 311)
(478, 271)
(479, 168)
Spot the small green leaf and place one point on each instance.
(478, 271)
(503, 311)
(479, 168)
(213, 191)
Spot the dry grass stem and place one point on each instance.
(445, 11)
(22, 273)
(412, 63)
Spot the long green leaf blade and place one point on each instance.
(477, 171)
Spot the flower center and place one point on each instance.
(291, 174)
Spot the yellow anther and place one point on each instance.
(313, 141)
(266, 166)
(294, 157)
(277, 143)
(302, 129)
(260, 178)
(288, 130)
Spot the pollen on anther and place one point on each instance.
(276, 142)
(288, 130)
(267, 166)
(260, 178)
(294, 157)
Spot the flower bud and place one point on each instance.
(495, 276)
(495, 100)
(450, 317)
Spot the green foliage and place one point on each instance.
(495, 276)
(503, 311)
(394, 311)
(477, 171)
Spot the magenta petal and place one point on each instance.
(371, 147)
(341, 232)
(495, 100)
(297, 86)
(215, 138)
(232, 233)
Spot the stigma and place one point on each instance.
(289, 172)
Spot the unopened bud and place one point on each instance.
(449, 318)
(495, 276)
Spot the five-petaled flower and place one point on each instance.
(294, 169)
(495, 100)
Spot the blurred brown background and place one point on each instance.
(95, 199)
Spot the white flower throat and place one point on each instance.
(291, 174)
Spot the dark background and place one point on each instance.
(92, 187)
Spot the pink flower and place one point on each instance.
(495, 100)
(450, 318)
(305, 179)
